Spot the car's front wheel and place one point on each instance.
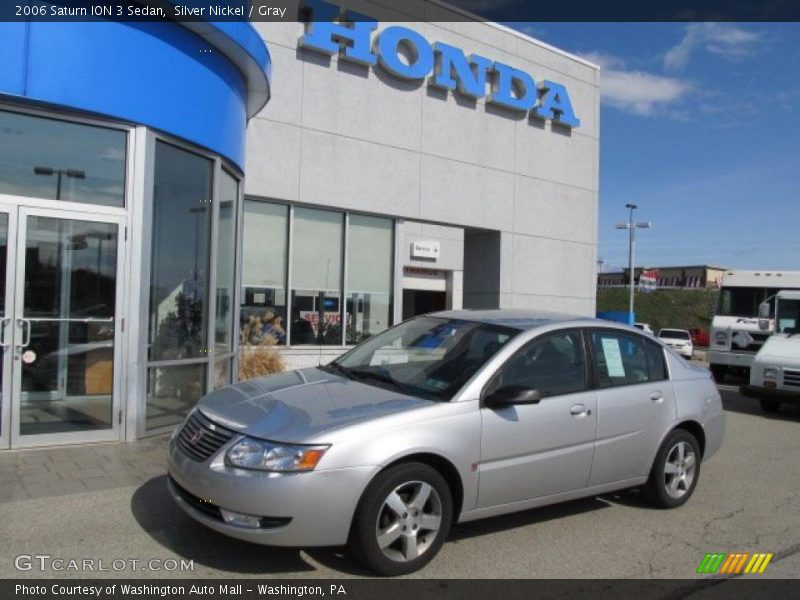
(402, 520)
(675, 471)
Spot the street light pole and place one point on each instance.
(631, 227)
(50, 171)
(631, 252)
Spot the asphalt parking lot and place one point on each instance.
(748, 500)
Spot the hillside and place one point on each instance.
(681, 309)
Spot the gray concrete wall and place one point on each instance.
(341, 135)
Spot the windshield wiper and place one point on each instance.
(337, 368)
(377, 376)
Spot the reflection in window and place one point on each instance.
(316, 277)
(180, 249)
(553, 364)
(226, 263)
(70, 296)
(48, 158)
(172, 392)
(264, 251)
(73, 258)
(369, 276)
(222, 373)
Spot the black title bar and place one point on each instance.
(402, 10)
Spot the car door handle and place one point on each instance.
(657, 396)
(579, 410)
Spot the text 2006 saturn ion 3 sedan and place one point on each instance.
(445, 418)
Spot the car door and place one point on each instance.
(534, 450)
(635, 403)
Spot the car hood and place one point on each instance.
(781, 346)
(300, 405)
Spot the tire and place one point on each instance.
(671, 486)
(415, 546)
(769, 406)
(718, 371)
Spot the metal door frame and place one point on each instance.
(6, 329)
(17, 331)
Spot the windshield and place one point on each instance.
(788, 319)
(743, 301)
(427, 356)
(676, 334)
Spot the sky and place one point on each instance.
(700, 127)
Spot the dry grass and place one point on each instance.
(257, 361)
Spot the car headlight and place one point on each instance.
(249, 453)
(770, 373)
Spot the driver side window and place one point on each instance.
(554, 364)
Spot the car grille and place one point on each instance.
(200, 437)
(791, 378)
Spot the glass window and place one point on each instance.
(226, 263)
(48, 158)
(222, 372)
(656, 367)
(180, 249)
(316, 277)
(369, 276)
(620, 358)
(172, 392)
(264, 252)
(427, 356)
(788, 318)
(553, 364)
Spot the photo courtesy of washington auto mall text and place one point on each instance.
(175, 590)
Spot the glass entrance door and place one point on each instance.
(61, 339)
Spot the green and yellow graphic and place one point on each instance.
(734, 563)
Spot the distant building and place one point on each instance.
(688, 277)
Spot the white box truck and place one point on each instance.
(775, 370)
(735, 334)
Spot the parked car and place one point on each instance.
(700, 336)
(445, 418)
(679, 339)
(644, 327)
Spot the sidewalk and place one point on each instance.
(34, 473)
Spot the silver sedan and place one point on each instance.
(445, 418)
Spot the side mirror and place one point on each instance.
(763, 310)
(510, 395)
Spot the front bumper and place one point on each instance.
(299, 509)
(756, 391)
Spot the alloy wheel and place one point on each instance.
(409, 521)
(679, 469)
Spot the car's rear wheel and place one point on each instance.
(769, 406)
(718, 371)
(675, 471)
(402, 520)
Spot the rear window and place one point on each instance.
(676, 334)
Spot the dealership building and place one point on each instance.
(176, 195)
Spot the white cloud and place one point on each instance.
(722, 39)
(637, 92)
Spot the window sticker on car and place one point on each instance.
(613, 357)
